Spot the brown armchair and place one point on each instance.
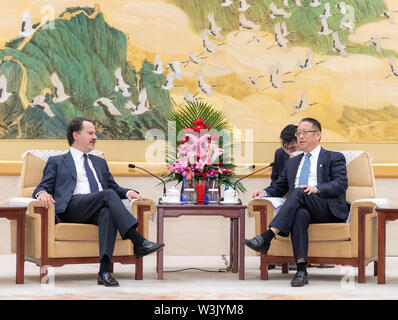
(352, 243)
(50, 244)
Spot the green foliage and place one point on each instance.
(84, 53)
(184, 116)
(218, 126)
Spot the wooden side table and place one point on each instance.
(383, 215)
(18, 214)
(235, 212)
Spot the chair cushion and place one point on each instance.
(77, 232)
(326, 232)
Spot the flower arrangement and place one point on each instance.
(203, 143)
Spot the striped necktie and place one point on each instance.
(90, 176)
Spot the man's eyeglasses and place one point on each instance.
(304, 132)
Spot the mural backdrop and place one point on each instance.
(265, 63)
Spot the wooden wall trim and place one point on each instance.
(120, 169)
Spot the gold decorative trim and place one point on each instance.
(121, 169)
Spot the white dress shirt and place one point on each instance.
(82, 185)
(313, 178)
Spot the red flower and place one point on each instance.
(198, 121)
(199, 125)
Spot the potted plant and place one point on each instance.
(202, 148)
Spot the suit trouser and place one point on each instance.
(295, 215)
(104, 209)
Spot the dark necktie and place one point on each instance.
(305, 171)
(90, 176)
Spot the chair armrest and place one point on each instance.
(142, 210)
(35, 210)
(41, 222)
(45, 218)
(363, 221)
(358, 211)
(263, 212)
(378, 202)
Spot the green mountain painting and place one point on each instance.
(264, 63)
(78, 68)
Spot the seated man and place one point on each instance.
(289, 145)
(317, 182)
(84, 191)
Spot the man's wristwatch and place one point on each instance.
(316, 188)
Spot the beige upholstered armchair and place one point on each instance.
(352, 243)
(50, 244)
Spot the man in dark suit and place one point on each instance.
(316, 182)
(282, 154)
(84, 191)
(289, 145)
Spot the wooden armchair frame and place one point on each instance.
(364, 211)
(44, 261)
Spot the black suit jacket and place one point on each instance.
(280, 159)
(60, 177)
(331, 176)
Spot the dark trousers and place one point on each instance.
(295, 215)
(104, 209)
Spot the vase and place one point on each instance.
(212, 192)
(200, 191)
(188, 191)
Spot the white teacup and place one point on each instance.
(229, 195)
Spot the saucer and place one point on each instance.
(169, 202)
(229, 202)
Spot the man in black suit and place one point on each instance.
(289, 145)
(316, 182)
(84, 191)
(282, 154)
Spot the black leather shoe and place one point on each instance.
(300, 279)
(258, 244)
(107, 280)
(148, 247)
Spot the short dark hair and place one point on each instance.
(315, 123)
(288, 134)
(75, 125)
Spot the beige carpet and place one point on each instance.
(79, 282)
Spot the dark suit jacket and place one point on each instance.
(59, 179)
(280, 159)
(332, 181)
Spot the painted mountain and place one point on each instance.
(264, 63)
(76, 66)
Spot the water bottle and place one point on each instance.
(188, 194)
(183, 197)
(207, 189)
(213, 193)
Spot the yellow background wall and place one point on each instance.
(184, 235)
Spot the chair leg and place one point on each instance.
(375, 268)
(139, 269)
(43, 275)
(264, 267)
(285, 268)
(361, 272)
(111, 268)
